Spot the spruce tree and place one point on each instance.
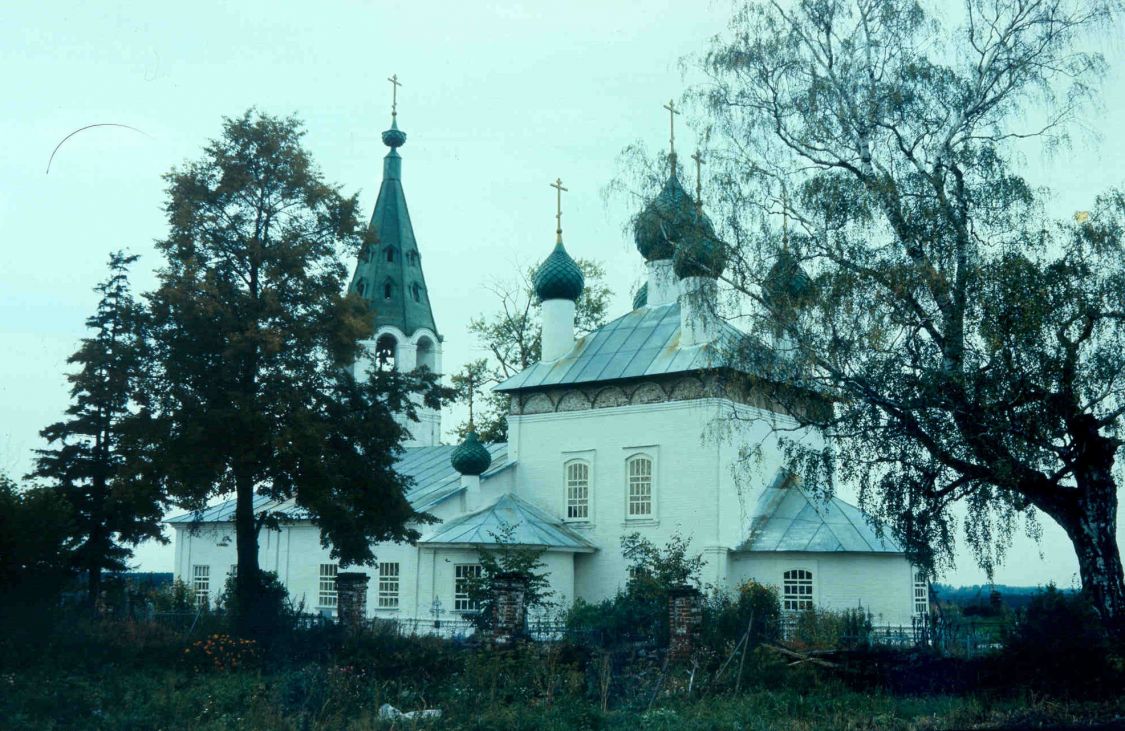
(88, 460)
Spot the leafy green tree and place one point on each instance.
(869, 180)
(511, 336)
(253, 338)
(88, 462)
(37, 542)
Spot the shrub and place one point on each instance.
(753, 609)
(1057, 643)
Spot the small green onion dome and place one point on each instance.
(786, 284)
(394, 137)
(470, 456)
(699, 253)
(640, 299)
(559, 277)
(657, 229)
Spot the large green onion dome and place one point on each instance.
(394, 137)
(699, 252)
(470, 456)
(657, 229)
(640, 299)
(559, 277)
(786, 284)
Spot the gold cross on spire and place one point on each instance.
(395, 83)
(558, 186)
(672, 112)
(698, 178)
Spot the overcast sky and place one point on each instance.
(498, 100)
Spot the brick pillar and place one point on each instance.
(685, 616)
(351, 599)
(509, 607)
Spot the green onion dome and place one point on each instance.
(559, 277)
(394, 137)
(640, 299)
(786, 284)
(657, 228)
(699, 252)
(470, 456)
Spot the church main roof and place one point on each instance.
(644, 342)
(429, 467)
(389, 272)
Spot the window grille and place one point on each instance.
(388, 585)
(327, 594)
(921, 594)
(578, 491)
(640, 487)
(464, 574)
(201, 584)
(798, 590)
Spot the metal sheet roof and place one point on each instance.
(434, 480)
(644, 342)
(530, 527)
(788, 519)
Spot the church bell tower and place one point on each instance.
(389, 276)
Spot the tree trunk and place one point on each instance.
(1093, 532)
(93, 587)
(247, 584)
(1090, 521)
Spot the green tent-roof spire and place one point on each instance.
(389, 271)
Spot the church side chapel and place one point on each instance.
(607, 437)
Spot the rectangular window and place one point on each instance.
(388, 586)
(798, 591)
(201, 584)
(578, 491)
(921, 594)
(640, 487)
(327, 594)
(463, 575)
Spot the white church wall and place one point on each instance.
(881, 583)
(685, 477)
(696, 446)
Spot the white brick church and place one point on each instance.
(609, 434)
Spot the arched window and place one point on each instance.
(361, 286)
(386, 351)
(577, 476)
(388, 290)
(416, 292)
(412, 258)
(426, 356)
(638, 471)
(797, 592)
(390, 254)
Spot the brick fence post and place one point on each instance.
(351, 599)
(685, 618)
(509, 607)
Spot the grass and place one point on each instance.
(320, 697)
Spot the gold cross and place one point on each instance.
(558, 186)
(698, 178)
(395, 83)
(672, 112)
